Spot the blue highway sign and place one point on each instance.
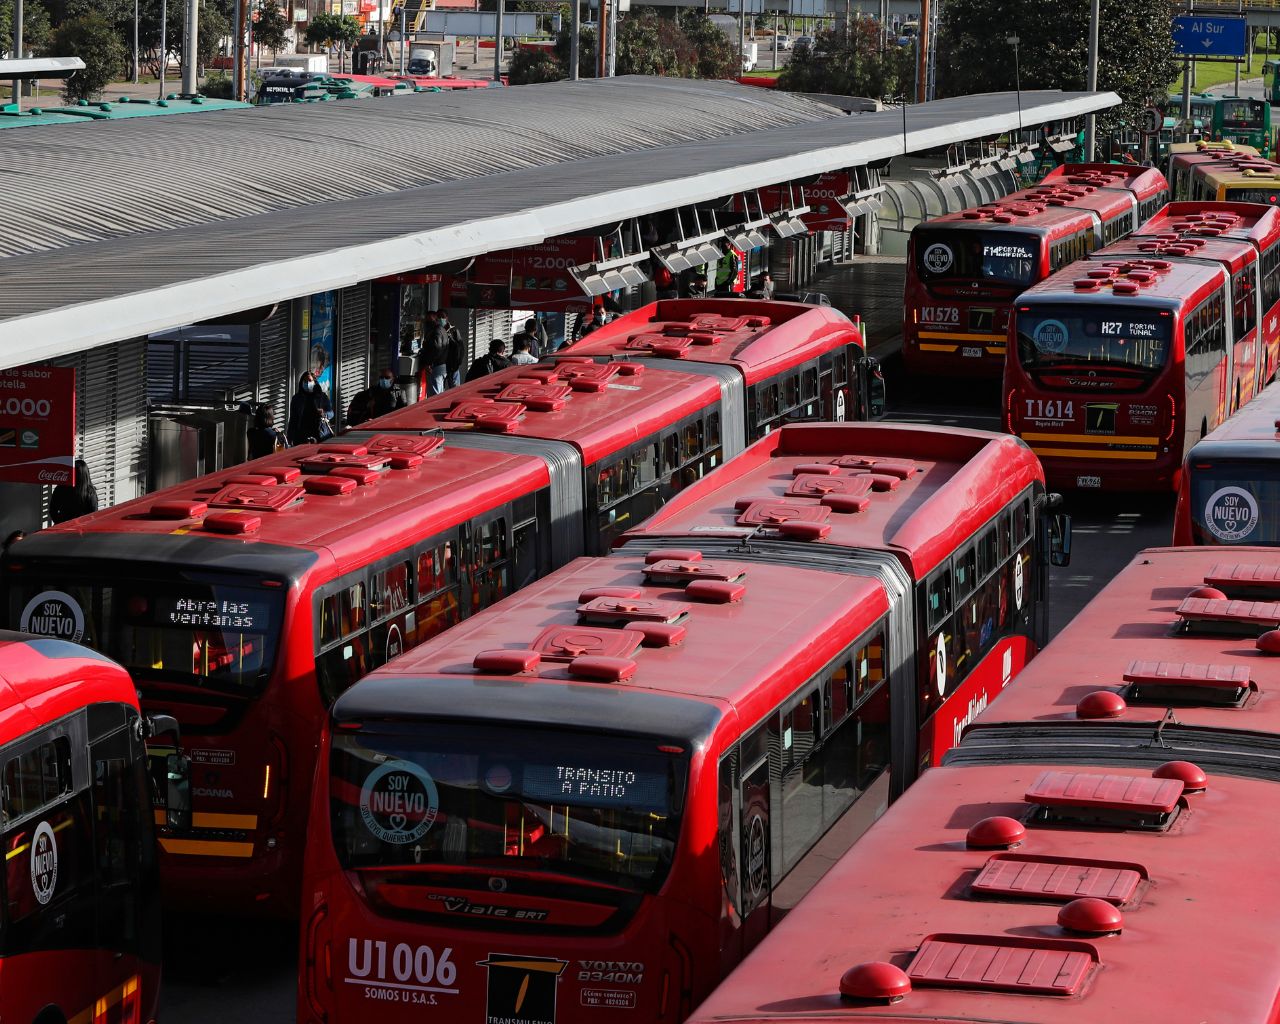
(1195, 36)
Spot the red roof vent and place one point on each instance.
(996, 833)
(1208, 594)
(1269, 642)
(1125, 288)
(538, 397)
(255, 498)
(564, 643)
(629, 369)
(716, 591)
(1085, 284)
(1238, 617)
(178, 509)
(875, 982)
(632, 609)
(1103, 273)
(343, 448)
(815, 469)
(283, 474)
(1091, 916)
(591, 593)
(232, 523)
(660, 345)
(593, 377)
(1003, 963)
(1192, 776)
(1024, 876)
(254, 480)
(728, 324)
(484, 414)
(601, 669)
(659, 634)
(326, 461)
(791, 519)
(1101, 704)
(1090, 799)
(507, 663)
(676, 554)
(1248, 577)
(363, 476)
(677, 572)
(1165, 682)
(838, 493)
(329, 486)
(405, 444)
(901, 468)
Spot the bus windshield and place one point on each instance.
(218, 633)
(1234, 502)
(1006, 257)
(602, 808)
(1094, 338)
(1238, 112)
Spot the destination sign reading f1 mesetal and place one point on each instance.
(1196, 36)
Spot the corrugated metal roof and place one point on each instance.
(144, 225)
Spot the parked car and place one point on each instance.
(808, 298)
(784, 41)
(803, 41)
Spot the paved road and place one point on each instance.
(221, 971)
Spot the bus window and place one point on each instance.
(37, 778)
(802, 779)
(491, 574)
(727, 830)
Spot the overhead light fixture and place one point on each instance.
(746, 237)
(689, 253)
(609, 275)
(786, 224)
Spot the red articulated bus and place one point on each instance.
(80, 918)
(1189, 229)
(778, 361)
(535, 816)
(976, 589)
(1230, 489)
(1120, 365)
(631, 435)
(244, 602)
(965, 269)
(1096, 849)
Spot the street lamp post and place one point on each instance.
(1017, 76)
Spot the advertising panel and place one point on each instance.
(37, 425)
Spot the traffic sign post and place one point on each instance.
(1202, 37)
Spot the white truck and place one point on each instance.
(303, 62)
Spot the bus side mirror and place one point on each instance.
(178, 792)
(1060, 539)
(873, 388)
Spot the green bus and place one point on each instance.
(1230, 118)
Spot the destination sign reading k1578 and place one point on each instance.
(1195, 36)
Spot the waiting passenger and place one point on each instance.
(262, 436)
(522, 356)
(70, 501)
(496, 360)
(385, 396)
(310, 412)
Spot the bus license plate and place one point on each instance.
(971, 352)
(1088, 481)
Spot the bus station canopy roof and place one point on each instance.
(147, 224)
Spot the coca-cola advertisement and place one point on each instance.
(38, 425)
(822, 196)
(537, 276)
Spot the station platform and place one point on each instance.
(869, 287)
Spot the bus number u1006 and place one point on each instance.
(1050, 409)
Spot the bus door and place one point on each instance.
(755, 832)
(128, 904)
(486, 541)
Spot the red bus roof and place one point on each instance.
(1233, 253)
(745, 653)
(1196, 943)
(598, 409)
(760, 338)
(447, 486)
(1252, 222)
(427, 81)
(1179, 284)
(1055, 208)
(1143, 182)
(955, 480)
(1136, 621)
(42, 680)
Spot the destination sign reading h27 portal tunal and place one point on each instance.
(1196, 36)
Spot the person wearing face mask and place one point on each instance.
(310, 413)
(384, 397)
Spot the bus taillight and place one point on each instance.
(1008, 410)
(1173, 417)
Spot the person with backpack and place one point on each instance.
(310, 412)
(496, 360)
(263, 437)
(453, 351)
(385, 396)
(435, 353)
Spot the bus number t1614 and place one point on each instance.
(1050, 409)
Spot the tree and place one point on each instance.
(1135, 49)
(850, 64)
(340, 30)
(36, 29)
(95, 41)
(533, 67)
(715, 54)
(271, 30)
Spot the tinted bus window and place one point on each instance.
(1135, 340)
(1236, 503)
(1005, 256)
